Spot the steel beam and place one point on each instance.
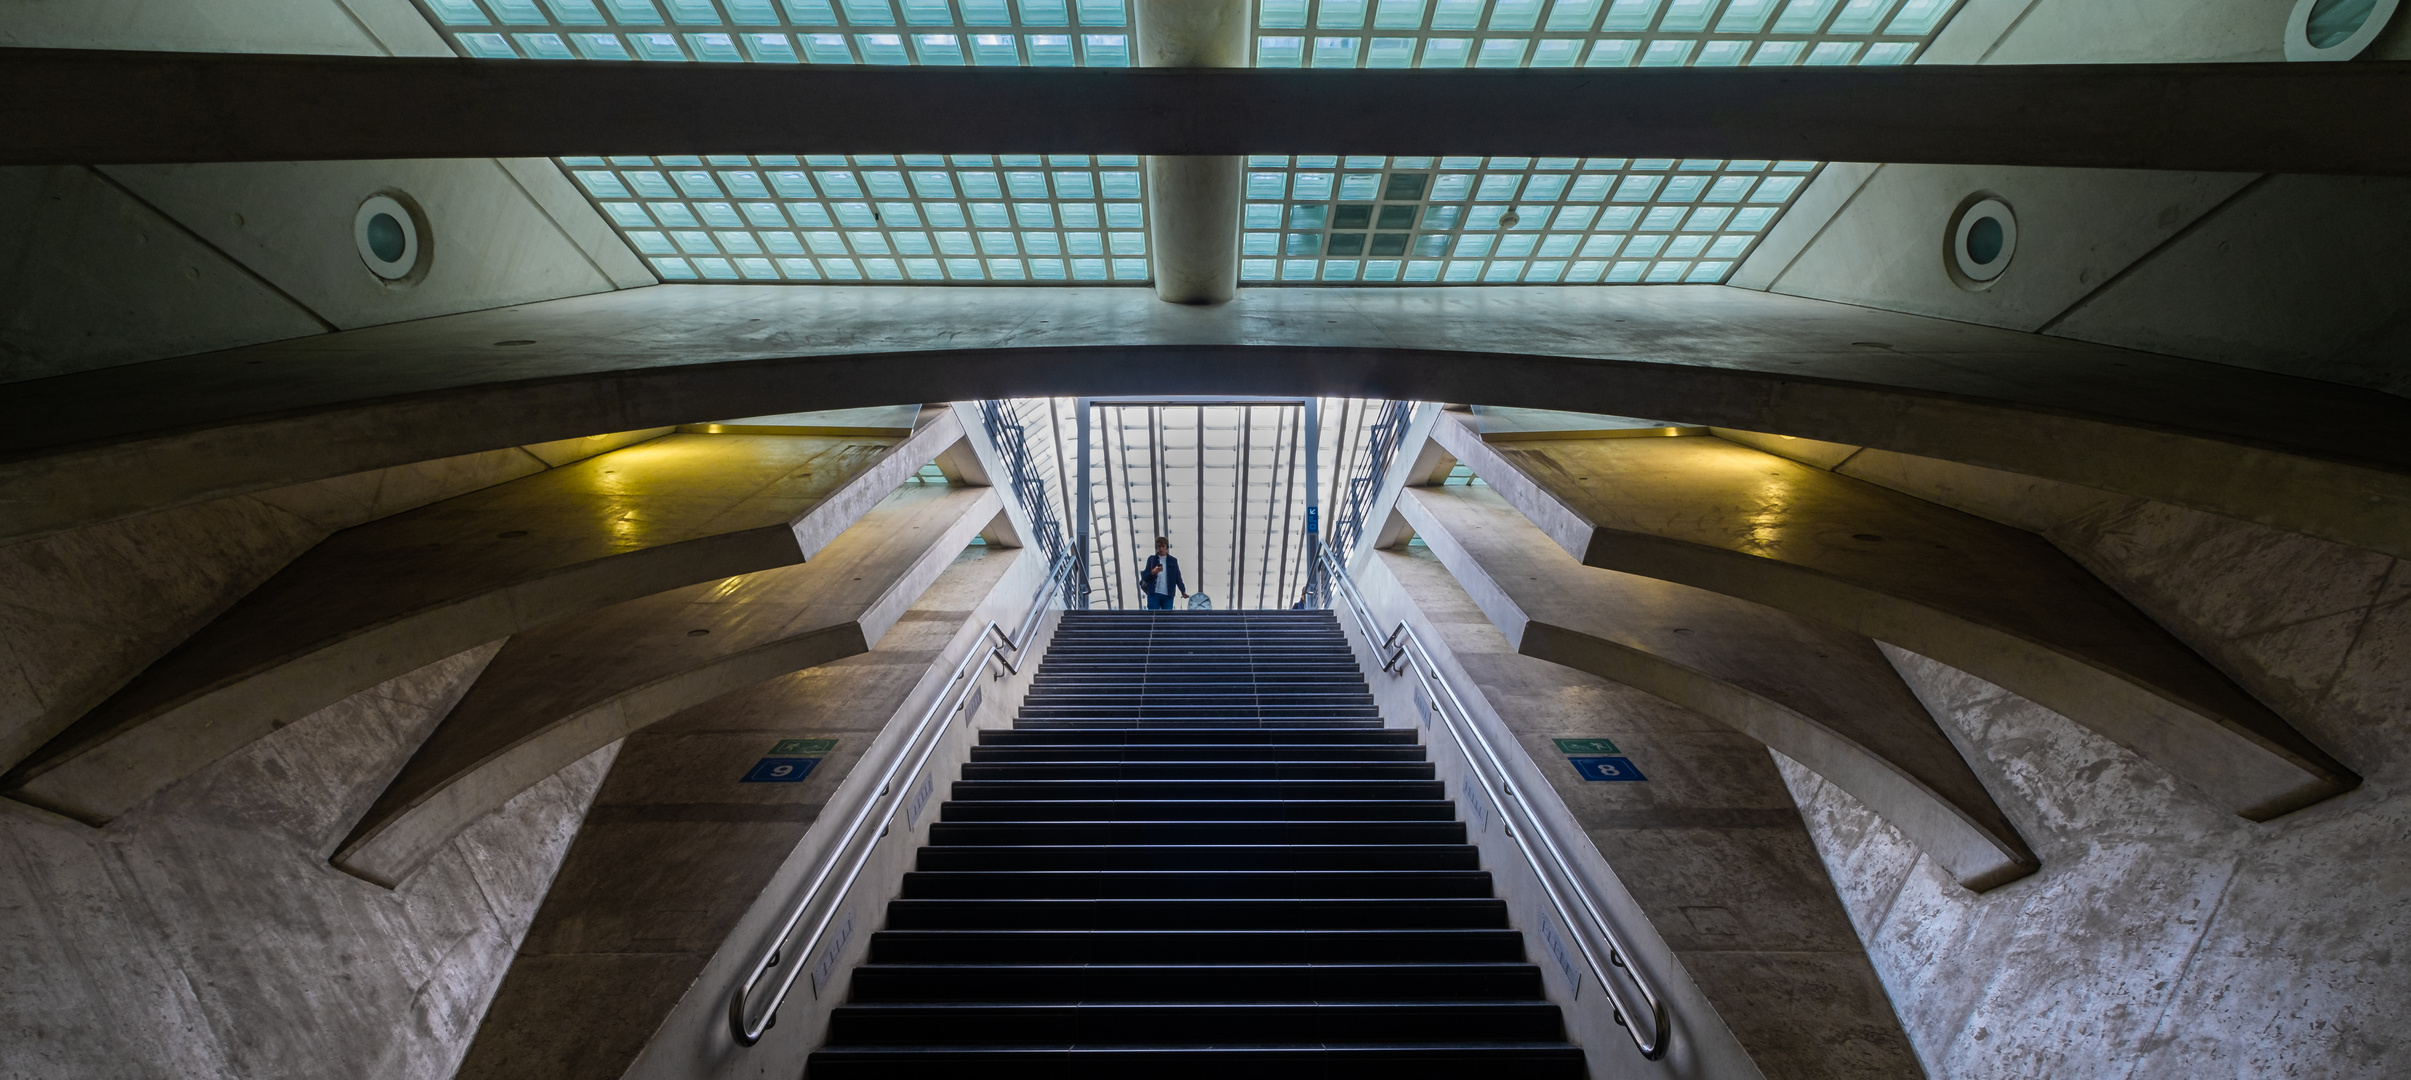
(89, 107)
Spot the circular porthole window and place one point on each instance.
(390, 236)
(2335, 29)
(1983, 238)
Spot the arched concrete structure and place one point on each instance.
(2311, 457)
(401, 592)
(1819, 694)
(559, 692)
(1991, 600)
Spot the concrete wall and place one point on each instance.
(129, 263)
(2163, 937)
(207, 936)
(2293, 274)
(83, 612)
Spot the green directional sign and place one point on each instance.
(804, 746)
(1585, 746)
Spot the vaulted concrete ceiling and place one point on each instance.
(2312, 457)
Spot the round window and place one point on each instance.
(1983, 238)
(387, 234)
(2335, 29)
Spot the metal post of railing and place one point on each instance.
(896, 779)
(1011, 437)
(1403, 648)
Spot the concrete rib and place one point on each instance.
(1821, 695)
(387, 597)
(679, 871)
(558, 692)
(1997, 602)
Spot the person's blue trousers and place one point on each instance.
(1159, 601)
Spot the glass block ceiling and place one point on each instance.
(1078, 219)
(973, 218)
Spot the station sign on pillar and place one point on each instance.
(1193, 201)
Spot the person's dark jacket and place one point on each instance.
(1147, 575)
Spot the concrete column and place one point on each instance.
(1193, 202)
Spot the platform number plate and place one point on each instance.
(1605, 768)
(780, 770)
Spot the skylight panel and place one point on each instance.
(1490, 221)
(1407, 33)
(1312, 219)
(828, 217)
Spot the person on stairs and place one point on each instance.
(1160, 578)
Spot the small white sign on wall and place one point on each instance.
(826, 970)
(1563, 954)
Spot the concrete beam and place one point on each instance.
(1997, 602)
(74, 107)
(1821, 695)
(2295, 454)
(564, 690)
(387, 597)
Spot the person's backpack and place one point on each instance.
(1200, 602)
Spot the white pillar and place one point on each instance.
(1193, 202)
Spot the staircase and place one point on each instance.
(1197, 853)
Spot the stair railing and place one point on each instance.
(1403, 652)
(1383, 438)
(904, 766)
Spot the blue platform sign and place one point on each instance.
(1606, 768)
(1314, 520)
(780, 770)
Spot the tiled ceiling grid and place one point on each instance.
(1475, 221)
(1060, 218)
(1074, 219)
(1592, 33)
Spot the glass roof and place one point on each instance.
(1075, 219)
(1475, 221)
(1022, 219)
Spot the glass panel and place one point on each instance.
(1340, 15)
(1745, 16)
(1574, 16)
(1068, 218)
(1510, 219)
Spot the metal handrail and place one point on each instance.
(1006, 429)
(938, 712)
(1427, 673)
